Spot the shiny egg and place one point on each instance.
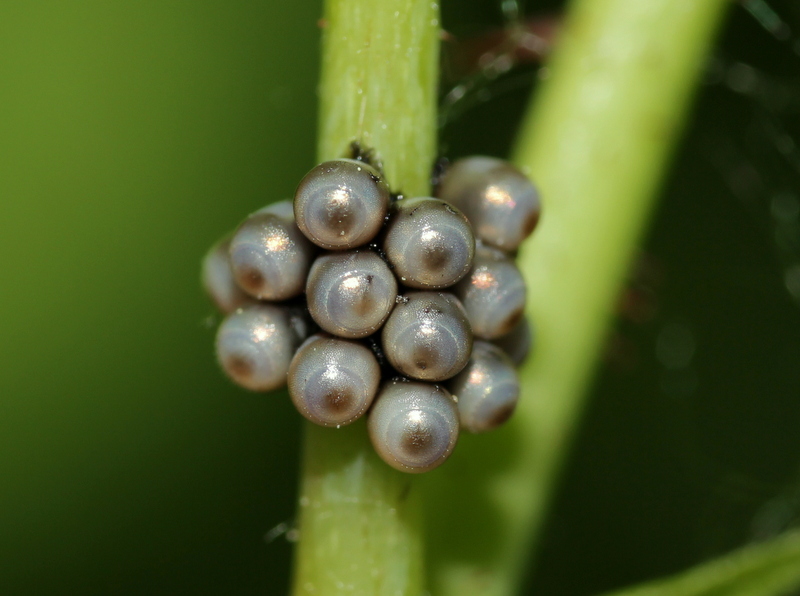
(487, 389)
(333, 381)
(341, 204)
(427, 336)
(351, 293)
(413, 426)
(501, 202)
(255, 345)
(493, 293)
(217, 278)
(269, 255)
(429, 243)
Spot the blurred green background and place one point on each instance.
(134, 135)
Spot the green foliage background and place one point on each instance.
(134, 135)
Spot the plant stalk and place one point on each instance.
(764, 569)
(360, 522)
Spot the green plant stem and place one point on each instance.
(597, 142)
(766, 569)
(360, 526)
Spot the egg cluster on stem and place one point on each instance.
(341, 292)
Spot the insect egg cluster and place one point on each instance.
(407, 310)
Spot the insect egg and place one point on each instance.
(487, 389)
(341, 204)
(429, 243)
(351, 293)
(333, 381)
(427, 336)
(217, 278)
(269, 255)
(517, 343)
(493, 293)
(413, 426)
(500, 201)
(255, 345)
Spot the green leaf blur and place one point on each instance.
(132, 136)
